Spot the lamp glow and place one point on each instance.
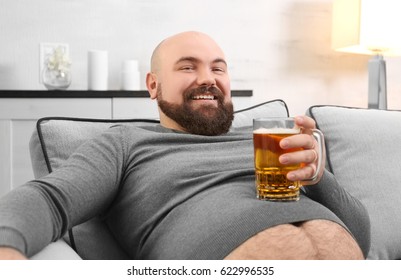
(369, 27)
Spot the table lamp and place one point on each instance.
(369, 27)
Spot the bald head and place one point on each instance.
(182, 41)
(190, 81)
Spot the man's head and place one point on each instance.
(190, 81)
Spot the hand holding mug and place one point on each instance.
(309, 156)
(288, 152)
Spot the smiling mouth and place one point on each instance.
(204, 97)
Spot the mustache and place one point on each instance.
(189, 94)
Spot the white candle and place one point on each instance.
(130, 75)
(98, 73)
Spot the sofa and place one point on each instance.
(362, 148)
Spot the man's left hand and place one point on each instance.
(309, 155)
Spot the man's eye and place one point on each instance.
(218, 69)
(187, 68)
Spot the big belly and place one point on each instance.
(315, 239)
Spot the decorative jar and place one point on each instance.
(56, 73)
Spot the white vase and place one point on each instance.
(54, 79)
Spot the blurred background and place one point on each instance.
(277, 48)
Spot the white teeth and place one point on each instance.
(206, 97)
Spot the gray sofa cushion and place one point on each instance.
(363, 148)
(274, 108)
(56, 138)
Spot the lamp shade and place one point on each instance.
(367, 26)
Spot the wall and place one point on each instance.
(278, 48)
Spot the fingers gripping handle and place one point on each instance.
(318, 135)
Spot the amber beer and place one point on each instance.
(271, 175)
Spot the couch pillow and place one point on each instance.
(273, 108)
(363, 149)
(55, 138)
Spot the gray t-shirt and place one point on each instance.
(166, 195)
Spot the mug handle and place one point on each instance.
(318, 135)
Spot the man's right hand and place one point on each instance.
(7, 253)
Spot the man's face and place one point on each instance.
(193, 86)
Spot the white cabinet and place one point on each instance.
(134, 108)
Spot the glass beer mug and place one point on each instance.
(271, 175)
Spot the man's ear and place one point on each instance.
(152, 84)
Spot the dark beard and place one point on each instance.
(206, 120)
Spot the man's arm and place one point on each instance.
(42, 211)
(349, 209)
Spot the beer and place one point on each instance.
(271, 175)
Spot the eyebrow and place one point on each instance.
(194, 59)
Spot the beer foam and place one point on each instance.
(277, 130)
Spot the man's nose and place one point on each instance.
(206, 77)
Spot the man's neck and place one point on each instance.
(169, 123)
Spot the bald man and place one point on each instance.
(185, 189)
